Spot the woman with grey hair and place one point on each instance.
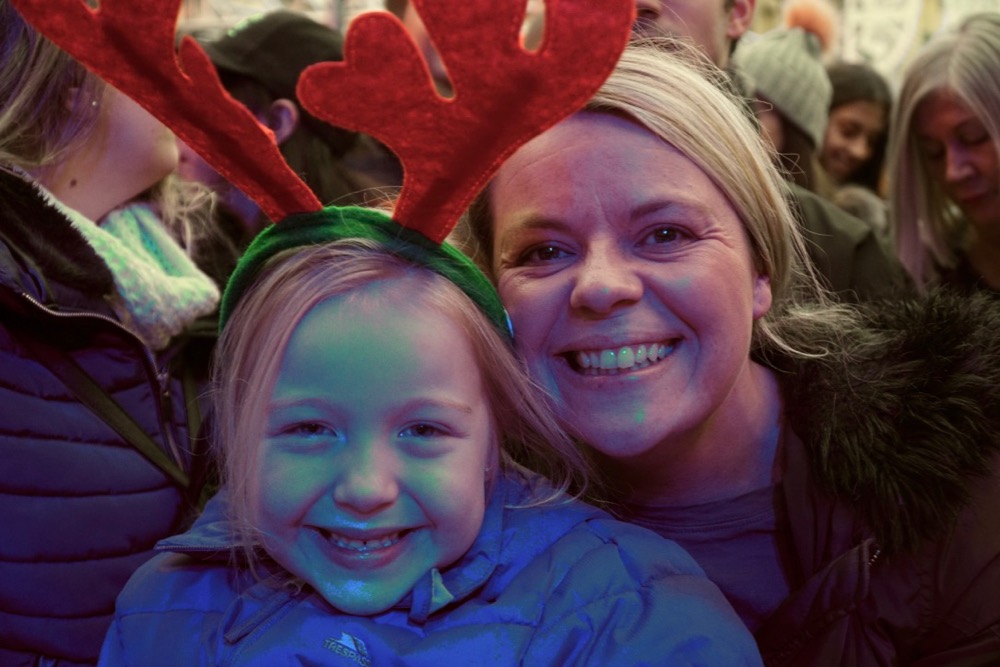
(944, 159)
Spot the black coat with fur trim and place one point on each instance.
(893, 493)
(80, 507)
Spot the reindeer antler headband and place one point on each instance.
(449, 148)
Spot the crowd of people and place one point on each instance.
(706, 374)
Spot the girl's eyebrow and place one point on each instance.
(307, 402)
(458, 406)
(321, 403)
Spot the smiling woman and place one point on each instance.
(676, 241)
(794, 448)
(856, 134)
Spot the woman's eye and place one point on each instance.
(849, 131)
(975, 138)
(663, 235)
(542, 253)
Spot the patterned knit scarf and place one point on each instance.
(162, 291)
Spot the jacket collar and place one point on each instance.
(212, 538)
(897, 426)
(42, 255)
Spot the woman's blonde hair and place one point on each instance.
(676, 94)
(251, 347)
(48, 102)
(49, 106)
(928, 227)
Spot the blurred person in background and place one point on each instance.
(944, 159)
(259, 62)
(858, 128)
(848, 254)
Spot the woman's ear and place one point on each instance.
(282, 118)
(761, 296)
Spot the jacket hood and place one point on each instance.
(899, 424)
(212, 537)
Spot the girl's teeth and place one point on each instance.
(366, 545)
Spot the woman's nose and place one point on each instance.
(605, 281)
(957, 165)
(860, 149)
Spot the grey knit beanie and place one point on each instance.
(786, 70)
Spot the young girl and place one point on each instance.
(371, 424)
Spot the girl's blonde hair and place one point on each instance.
(928, 227)
(251, 347)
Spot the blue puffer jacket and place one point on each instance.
(561, 584)
(80, 509)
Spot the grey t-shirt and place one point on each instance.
(741, 543)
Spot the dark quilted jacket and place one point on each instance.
(80, 509)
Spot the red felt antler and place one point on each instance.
(503, 95)
(130, 44)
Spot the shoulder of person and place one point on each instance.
(846, 250)
(663, 608)
(821, 216)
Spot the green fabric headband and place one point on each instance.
(352, 222)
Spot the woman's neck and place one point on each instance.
(732, 454)
(75, 187)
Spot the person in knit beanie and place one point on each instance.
(791, 88)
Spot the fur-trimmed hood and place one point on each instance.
(43, 255)
(899, 424)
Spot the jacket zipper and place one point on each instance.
(159, 378)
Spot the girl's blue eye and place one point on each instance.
(308, 429)
(421, 431)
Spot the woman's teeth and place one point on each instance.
(612, 361)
